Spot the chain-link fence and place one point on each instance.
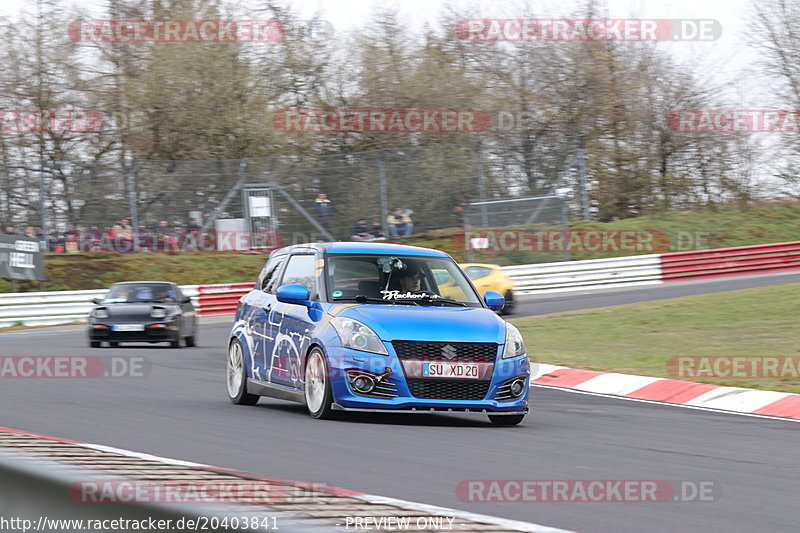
(293, 198)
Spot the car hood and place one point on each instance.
(430, 323)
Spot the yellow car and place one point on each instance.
(490, 278)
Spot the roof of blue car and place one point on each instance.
(365, 248)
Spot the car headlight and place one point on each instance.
(514, 343)
(102, 312)
(158, 312)
(357, 336)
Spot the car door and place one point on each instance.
(291, 324)
(258, 325)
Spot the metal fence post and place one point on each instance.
(582, 177)
(481, 184)
(132, 203)
(384, 194)
(42, 199)
(565, 229)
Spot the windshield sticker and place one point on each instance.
(336, 294)
(396, 295)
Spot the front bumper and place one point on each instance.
(342, 360)
(153, 332)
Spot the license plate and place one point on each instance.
(450, 370)
(128, 327)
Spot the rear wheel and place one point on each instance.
(95, 344)
(508, 308)
(237, 376)
(506, 420)
(317, 389)
(113, 344)
(191, 340)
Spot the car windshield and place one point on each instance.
(388, 278)
(140, 292)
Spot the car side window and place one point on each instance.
(474, 273)
(269, 280)
(300, 271)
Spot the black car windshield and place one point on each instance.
(140, 292)
(387, 278)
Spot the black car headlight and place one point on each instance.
(514, 344)
(357, 336)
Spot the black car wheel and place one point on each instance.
(95, 344)
(175, 343)
(113, 344)
(508, 308)
(317, 387)
(236, 376)
(191, 340)
(506, 420)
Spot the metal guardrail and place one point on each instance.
(586, 275)
(50, 308)
(38, 495)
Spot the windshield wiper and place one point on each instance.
(429, 299)
(367, 299)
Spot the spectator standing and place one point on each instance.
(376, 230)
(400, 224)
(122, 233)
(71, 238)
(30, 231)
(193, 226)
(323, 210)
(165, 237)
(10, 230)
(93, 237)
(360, 231)
(145, 238)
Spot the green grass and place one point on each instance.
(99, 270)
(640, 338)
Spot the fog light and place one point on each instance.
(517, 388)
(363, 384)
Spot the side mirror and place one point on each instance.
(293, 294)
(494, 300)
(97, 301)
(186, 300)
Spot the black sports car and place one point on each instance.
(143, 311)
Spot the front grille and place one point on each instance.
(448, 389)
(463, 352)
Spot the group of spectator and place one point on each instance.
(120, 237)
(398, 222)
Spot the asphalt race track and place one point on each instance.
(180, 410)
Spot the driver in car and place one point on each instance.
(410, 279)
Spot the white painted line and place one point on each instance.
(540, 369)
(137, 455)
(665, 404)
(733, 399)
(617, 384)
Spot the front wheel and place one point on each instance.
(508, 308)
(237, 377)
(317, 389)
(506, 420)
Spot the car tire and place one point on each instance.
(236, 376)
(113, 344)
(95, 344)
(506, 420)
(190, 341)
(508, 308)
(317, 386)
(176, 343)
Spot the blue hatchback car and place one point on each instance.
(375, 328)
